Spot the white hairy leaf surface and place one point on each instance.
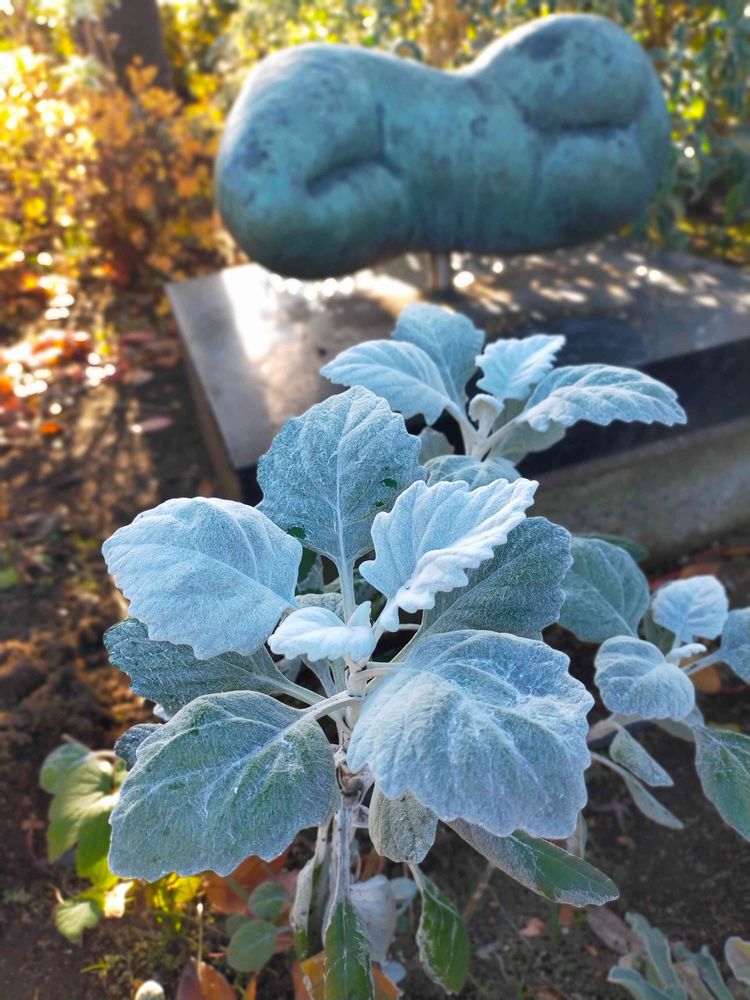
(172, 676)
(599, 394)
(487, 727)
(434, 534)
(650, 806)
(606, 594)
(737, 955)
(464, 468)
(376, 906)
(519, 439)
(735, 643)
(319, 634)
(212, 574)
(627, 751)
(542, 867)
(330, 471)
(517, 591)
(484, 409)
(229, 775)
(722, 759)
(512, 367)
(449, 339)
(432, 444)
(401, 373)
(686, 652)
(695, 608)
(635, 678)
(637, 986)
(401, 829)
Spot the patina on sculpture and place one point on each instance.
(336, 157)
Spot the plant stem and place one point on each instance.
(705, 661)
(346, 579)
(329, 706)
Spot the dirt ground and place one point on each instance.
(61, 497)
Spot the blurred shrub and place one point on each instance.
(103, 181)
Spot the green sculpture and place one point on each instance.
(335, 157)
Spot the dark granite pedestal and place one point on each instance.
(255, 343)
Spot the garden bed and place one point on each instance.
(67, 493)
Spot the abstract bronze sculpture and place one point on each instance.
(335, 157)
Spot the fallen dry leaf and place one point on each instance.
(203, 982)
(612, 930)
(534, 927)
(248, 876)
(707, 680)
(308, 979)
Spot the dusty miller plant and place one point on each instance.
(410, 688)
(654, 969)
(524, 404)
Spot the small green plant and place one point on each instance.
(656, 970)
(84, 785)
(391, 674)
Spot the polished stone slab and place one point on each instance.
(255, 341)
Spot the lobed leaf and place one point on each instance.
(695, 608)
(213, 574)
(173, 676)
(540, 866)
(599, 394)
(511, 367)
(319, 634)
(449, 339)
(464, 468)
(433, 444)
(126, 746)
(487, 727)
(401, 373)
(229, 775)
(401, 829)
(606, 594)
(434, 534)
(330, 471)
(735, 643)
(517, 591)
(520, 439)
(635, 678)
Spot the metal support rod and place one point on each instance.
(439, 272)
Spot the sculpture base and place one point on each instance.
(255, 342)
